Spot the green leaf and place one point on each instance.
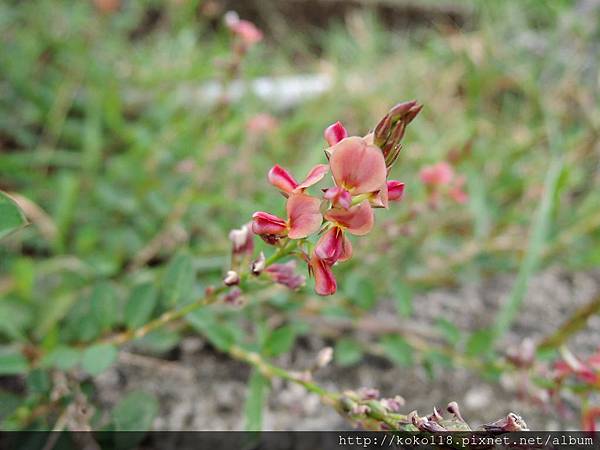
(12, 362)
(280, 341)
(432, 360)
(480, 342)
(64, 211)
(52, 312)
(38, 381)
(178, 280)
(347, 352)
(63, 358)
(135, 412)
(11, 217)
(105, 305)
(450, 332)
(403, 300)
(397, 349)
(361, 292)
(159, 341)
(9, 402)
(98, 358)
(140, 305)
(255, 400)
(20, 318)
(219, 335)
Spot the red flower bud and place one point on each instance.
(335, 133)
(395, 190)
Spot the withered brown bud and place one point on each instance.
(454, 410)
(512, 422)
(423, 424)
(258, 265)
(368, 393)
(234, 297)
(435, 416)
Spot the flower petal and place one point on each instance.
(325, 283)
(437, 174)
(335, 133)
(282, 179)
(379, 199)
(358, 167)
(314, 176)
(333, 246)
(458, 195)
(304, 215)
(357, 220)
(266, 224)
(338, 197)
(395, 190)
(286, 275)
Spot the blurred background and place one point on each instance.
(135, 137)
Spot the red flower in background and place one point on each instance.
(440, 178)
(245, 30)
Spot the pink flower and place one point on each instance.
(395, 190)
(244, 29)
(437, 174)
(335, 133)
(457, 193)
(357, 166)
(261, 123)
(590, 418)
(286, 275)
(357, 220)
(286, 183)
(333, 246)
(304, 218)
(442, 175)
(391, 191)
(338, 197)
(325, 283)
(588, 371)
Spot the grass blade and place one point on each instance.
(535, 247)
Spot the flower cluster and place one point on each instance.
(440, 178)
(587, 371)
(359, 167)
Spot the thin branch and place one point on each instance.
(572, 325)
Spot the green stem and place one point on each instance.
(270, 371)
(176, 314)
(163, 319)
(571, 326)
(342, 403)
(360, 198)
(287, 248)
